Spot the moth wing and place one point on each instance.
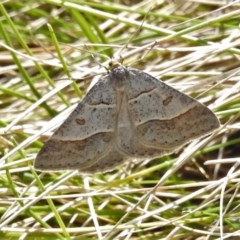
(164, 117)
(107, 163)
(86, 135)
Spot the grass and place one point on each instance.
(51, 51)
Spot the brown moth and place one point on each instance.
(127, 115)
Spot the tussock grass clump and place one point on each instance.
(51, 50)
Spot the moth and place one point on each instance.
(127, 115)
